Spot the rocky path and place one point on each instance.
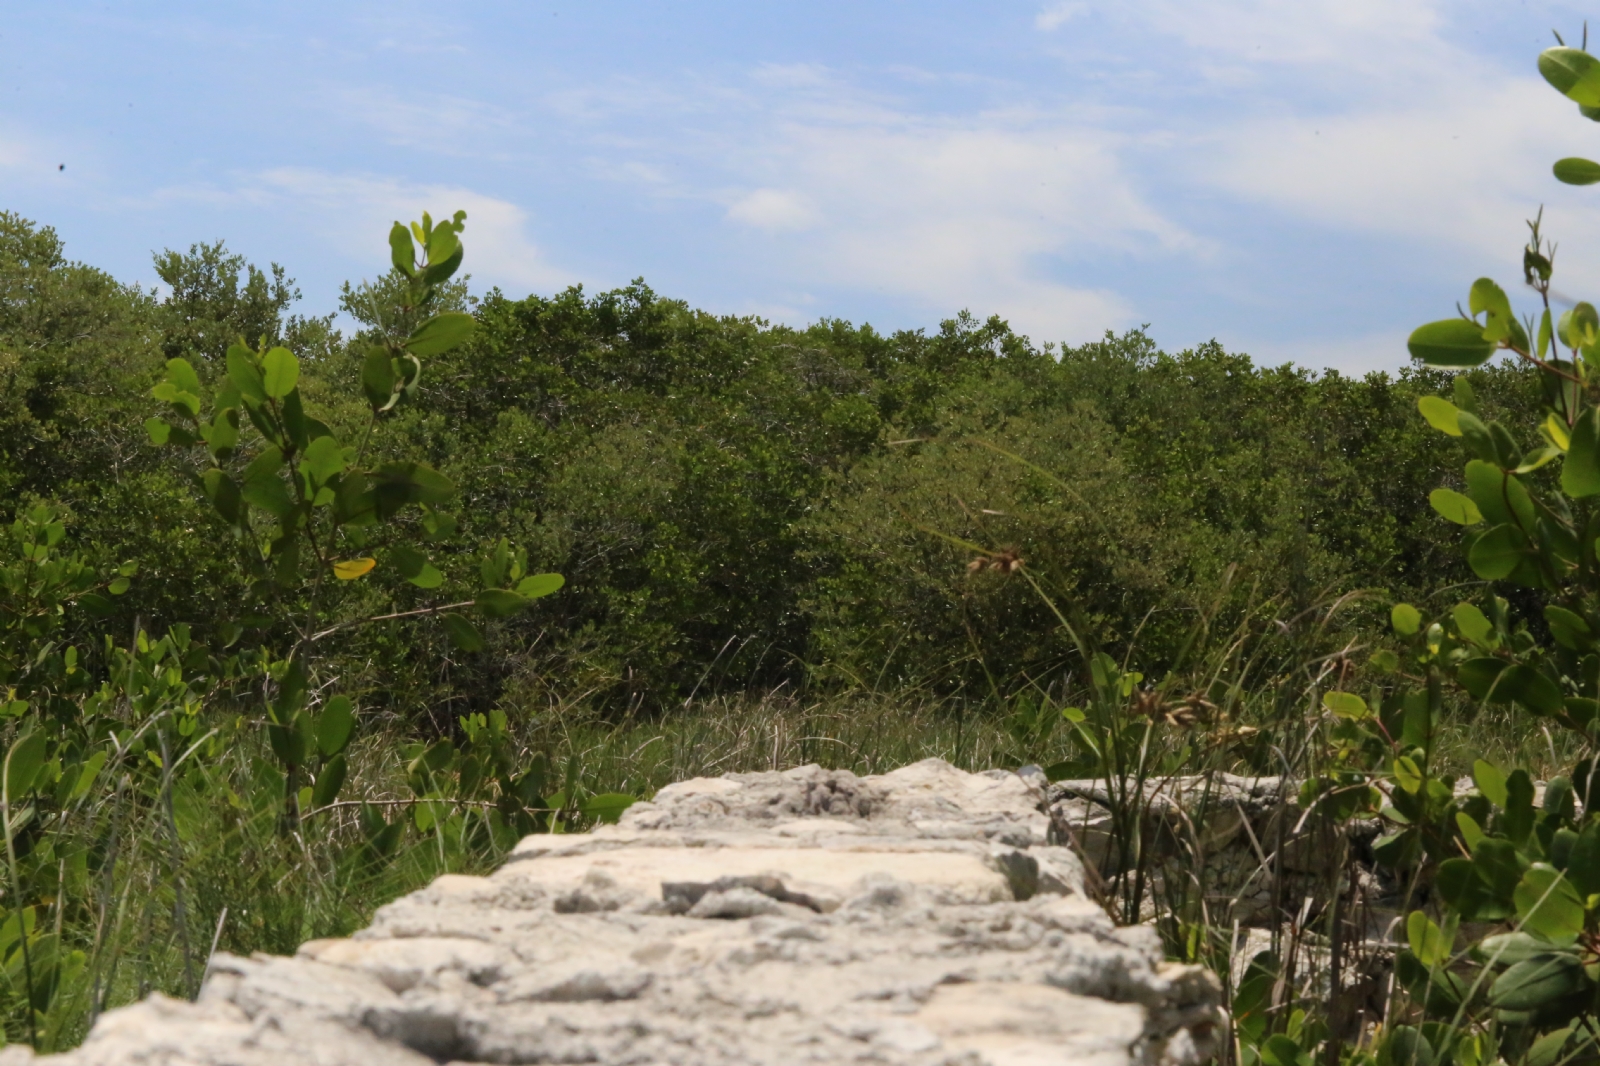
(809, 916)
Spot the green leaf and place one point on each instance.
(1406, 1046)
(1497, 863)
(1490, 781)
(1406, 619)
(329, 780)
(224, 495)
(181, 375)
(1346, 705)
(438, 525)
(607, 807)
(397, 484)
(500, 603)
(1456, 507)
(23, 763)
(443, 245)
(535, 586)
(1489, 299)
(157, 430)
(1535, 460)
(1479, 441)
(222, 434)
(1529, 687)
(415, 567)
(1496, 553)
(1471, 623)
(1426, 939)
(1441, 414)
(1583, 862)
(322, 459)
(462, 633)
(1452, 343)
(1460, 885)
(1580, 326)
(1580, 474)
(378, 377)
(1478, 675)
(1519, 806)
(1548, 905)
(279, 372)
(1501, 497)
(1508, 949)
(1538, 981)
(263, 487)
(1569, 628)
(1281, 1050)
(244, 375)
(334, 726)
(1562, 1047)
(402, 253)
(1575, 170)
(440, 333)
(441, 269)
(1407, 774)
(1574, 73)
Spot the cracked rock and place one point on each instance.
(924, 917)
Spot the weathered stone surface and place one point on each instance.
(919, 917)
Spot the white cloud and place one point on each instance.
(1059, 13)
(773, 209)
(975, 214)
(1351, 34)
(1460, 172)
(353, 213)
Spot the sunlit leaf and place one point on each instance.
(1441, 414)
(1575, 170)
(334, 726)
(1549, 905)
(350, 569)
(1471, 623)
(536, 585)
(1454, 343)
(1497, 553)
(1455, 507)
(1580, 474)
(1406, 773)
(280, 370)
(1346, 705)
(1574, 73)
(440, 333)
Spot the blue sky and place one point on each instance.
(1304, 180)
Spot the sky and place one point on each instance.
(1301, 180)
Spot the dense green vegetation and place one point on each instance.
(738, 506)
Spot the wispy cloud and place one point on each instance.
(773, 209)
(1059, 14)
(351, 215)
(848, 191)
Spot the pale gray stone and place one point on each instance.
(925, 917)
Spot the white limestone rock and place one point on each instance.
(917, 918)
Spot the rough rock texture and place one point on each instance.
(809, 916)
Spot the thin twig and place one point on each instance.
(386, 617)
